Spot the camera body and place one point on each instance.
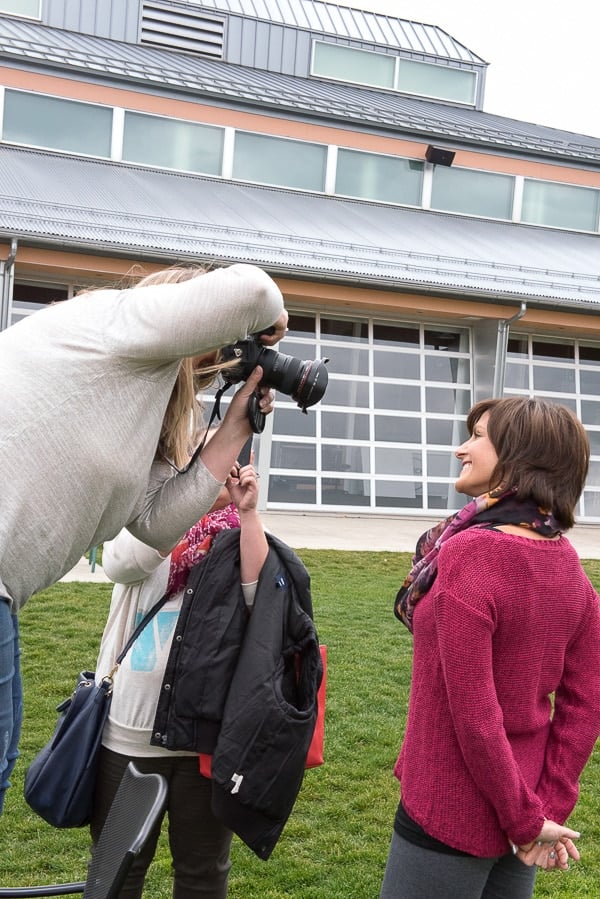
(305, 382)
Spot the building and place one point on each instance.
(434, 253)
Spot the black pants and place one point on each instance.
(199, 843)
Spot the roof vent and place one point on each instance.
(186, 30)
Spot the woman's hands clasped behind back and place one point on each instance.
(552, 849)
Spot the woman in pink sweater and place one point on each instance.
(504, 708)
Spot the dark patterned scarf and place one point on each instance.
(488, 510)
(196, 542)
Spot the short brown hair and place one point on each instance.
(543, 451)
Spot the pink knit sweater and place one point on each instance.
(508, 622)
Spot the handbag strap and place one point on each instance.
(145, 620)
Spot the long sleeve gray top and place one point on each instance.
(85, 385)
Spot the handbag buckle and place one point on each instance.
(108, 679)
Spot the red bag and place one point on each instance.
(314, 757)
(315, 750)
(205, 765)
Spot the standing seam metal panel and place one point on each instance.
(119, 20)
(250, 47)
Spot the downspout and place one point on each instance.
(501, 348)
(7, 279)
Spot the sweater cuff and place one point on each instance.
(523, 834)
(249, 591)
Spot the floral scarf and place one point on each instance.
(488, 510)
(196, 542)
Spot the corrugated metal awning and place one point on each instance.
(90, 205)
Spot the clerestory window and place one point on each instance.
(27, 9)
(409, 76)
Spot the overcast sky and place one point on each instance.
(543, 56)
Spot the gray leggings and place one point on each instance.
(416, 873)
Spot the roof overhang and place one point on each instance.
(92, 206)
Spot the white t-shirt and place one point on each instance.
(138, 679)
(141, 575)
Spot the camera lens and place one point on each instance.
(304, 381)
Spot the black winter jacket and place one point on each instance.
(244, 686)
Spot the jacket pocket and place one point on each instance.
(262, 747)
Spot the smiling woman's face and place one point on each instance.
(478, 458)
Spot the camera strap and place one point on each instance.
(255, 416)
(216, 413)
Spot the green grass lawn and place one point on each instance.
(335, 843)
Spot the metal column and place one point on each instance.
(501, 348)
(7, 279)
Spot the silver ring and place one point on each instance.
(553, 854)
(540, 843)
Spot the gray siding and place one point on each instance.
(351, 24)
(276, 35)
(257, 44)
(117, 20)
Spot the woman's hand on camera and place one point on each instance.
(221, 452)
(239, 404)
(278, 330)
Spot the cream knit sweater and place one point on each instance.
(85, 384)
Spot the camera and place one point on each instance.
(305, 382)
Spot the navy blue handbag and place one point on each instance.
(60, 781)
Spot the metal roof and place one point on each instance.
(206, 80)
(350, 22)
(90, 205)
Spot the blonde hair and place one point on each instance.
(183, 414)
